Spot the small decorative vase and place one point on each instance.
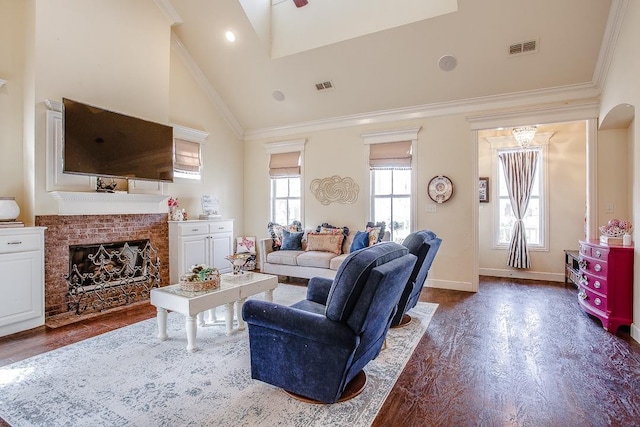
(626, 239)
(176, 215)
(9, 209)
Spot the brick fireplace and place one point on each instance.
(64, 231)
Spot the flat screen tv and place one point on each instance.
(103, 143)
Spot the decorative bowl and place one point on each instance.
(200, 278)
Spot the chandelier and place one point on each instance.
(524, 135)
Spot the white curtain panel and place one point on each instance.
(519, 170)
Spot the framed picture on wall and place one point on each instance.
(483, 188)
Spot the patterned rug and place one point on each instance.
(128, 377)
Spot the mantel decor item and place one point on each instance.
(200, 278)
(9, 209)
(440, 189)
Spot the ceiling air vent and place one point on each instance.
(323, 86)
(530, 46)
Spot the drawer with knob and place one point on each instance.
(596, 283)
(596, 267)
(593, 299)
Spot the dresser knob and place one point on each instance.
(596, 284)
(582, 295)
(598, 254)
(598, 267)
(597, 301)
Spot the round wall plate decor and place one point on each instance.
(440, 189)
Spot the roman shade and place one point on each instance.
(390, 155)
(187, 156)
(284, 164)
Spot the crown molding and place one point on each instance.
(410, 134)
(169, 12)
(493, 102)
(53, 105)
(615, 20)
(550, 113)
(285, 146)
(189, 134)
(206, 86)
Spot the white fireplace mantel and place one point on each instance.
(87, 203)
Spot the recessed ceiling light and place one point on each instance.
(278, 95)
(447, 62)
(230, 36)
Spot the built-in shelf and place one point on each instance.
(94, 203)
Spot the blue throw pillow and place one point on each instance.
(360, 241)
(291, 240)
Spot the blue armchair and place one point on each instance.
(315, 347)
(424, 245)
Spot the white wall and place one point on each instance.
(12, 48)
(444, 148)
(222, 152)
(113, 54)
(622, 85)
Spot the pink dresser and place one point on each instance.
(606, 283)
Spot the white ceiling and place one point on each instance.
(394, 69)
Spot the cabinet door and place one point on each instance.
(21, 287)
(194, 251)
(220, 248)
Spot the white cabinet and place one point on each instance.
(21, 279)
(199, 242)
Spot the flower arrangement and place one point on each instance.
(200, 278)
(173, 203)
(616, 228)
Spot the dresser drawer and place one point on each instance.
(600, 253)
(220, 226)
(598, 302)
(597, 267)
(585, 249)
(194, 228)
(19, 243)
(595, 283)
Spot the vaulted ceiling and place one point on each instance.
(396, 67)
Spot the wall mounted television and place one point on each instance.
(103, 143)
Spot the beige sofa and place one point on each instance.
(303, 263)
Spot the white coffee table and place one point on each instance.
(232, 290)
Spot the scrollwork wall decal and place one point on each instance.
(335, 189)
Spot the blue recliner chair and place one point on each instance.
(423, 244)
(315, 347)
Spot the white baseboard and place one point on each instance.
(516, 274)
(449, 284)
(635, 332)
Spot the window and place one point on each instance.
(285, 200)
(187, 160)
(534, 218)
(391, 178)
(286, 187)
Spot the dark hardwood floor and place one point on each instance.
(517, 353)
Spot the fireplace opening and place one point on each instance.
(106, 275)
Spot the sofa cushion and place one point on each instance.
(336, 262)
(360, 241)
(283, 257)
(291, 240)
(325, 242)
(315, 259)
(376, 232)
(275, 230)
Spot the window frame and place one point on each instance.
(273, 198)
(195, 136)
(391, 196)
(499, 145)
(285, 147)
(409, 134)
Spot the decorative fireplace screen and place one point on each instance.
(111, 275)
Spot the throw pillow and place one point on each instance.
(328, 228)
(360, 241)
(276, 232)
(325, 242)
(291, 240)
(376, 232)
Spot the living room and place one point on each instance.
(128, 57)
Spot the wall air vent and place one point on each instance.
(324, 86)
(530, 46)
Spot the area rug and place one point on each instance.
(128, 377)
